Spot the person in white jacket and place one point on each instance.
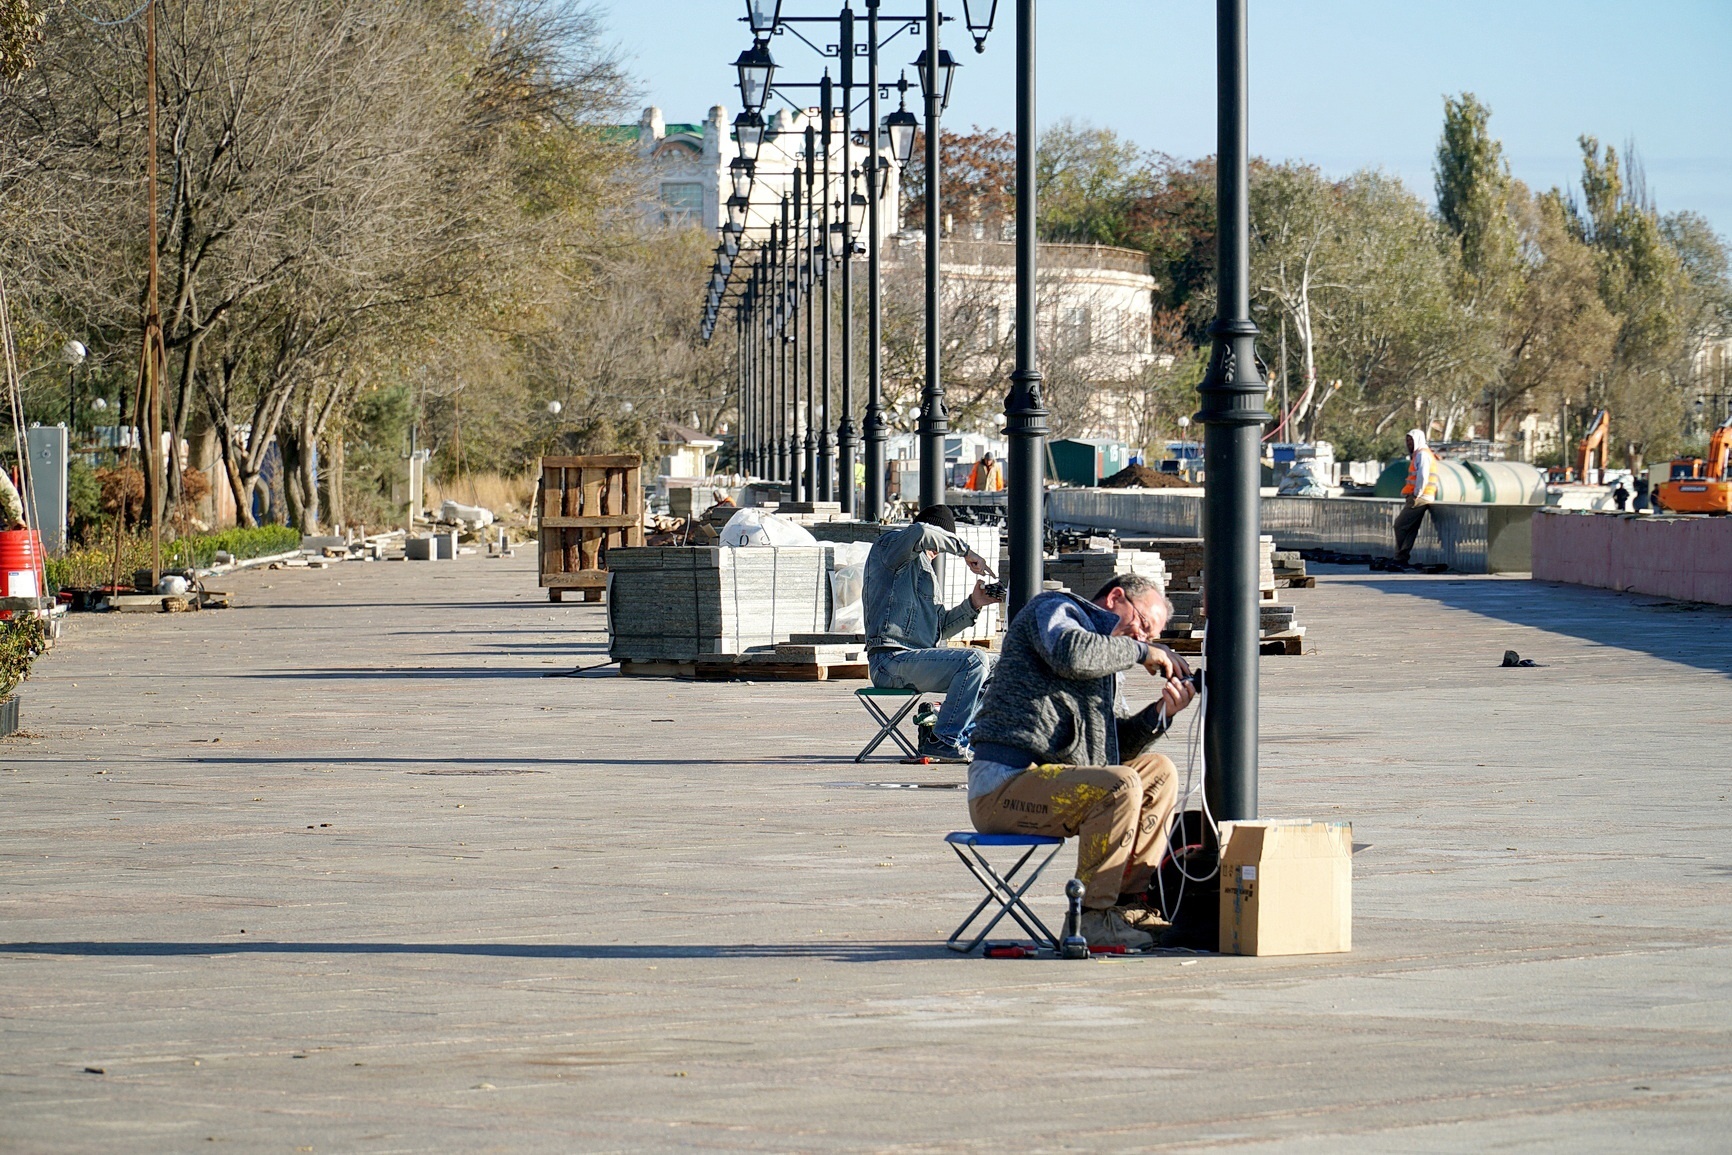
(1419, 492)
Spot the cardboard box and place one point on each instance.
(1286, 887)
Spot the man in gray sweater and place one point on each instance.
(1057, 753)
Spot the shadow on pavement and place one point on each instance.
(515, 760)
(1687, 632)
(833, 952)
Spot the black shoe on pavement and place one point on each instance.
(941, 751)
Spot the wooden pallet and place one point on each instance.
(586, 506)
(1290, 642)
(788, 662)
(153, 603)
(713, 671)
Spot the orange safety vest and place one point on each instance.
(989, 480)
(1431, 479)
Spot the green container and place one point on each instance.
(1086, 460)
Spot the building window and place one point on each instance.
(1075, 330)
(682, 201)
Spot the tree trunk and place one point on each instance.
(334, 479)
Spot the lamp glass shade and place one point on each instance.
(755, 69)
(836, 241)
(731, 243)
(741, 172)
(978, 24)
(749, 133)
(762, 15)
(901, 125)
(947, 67)
(737, 213)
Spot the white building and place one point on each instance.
(689, 181)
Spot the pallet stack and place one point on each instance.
(1084, 572)
(1280, 633)
(586, 507)
(680, 603)
(1290, 570)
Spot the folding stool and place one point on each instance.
(889, 725)
(1003, 889)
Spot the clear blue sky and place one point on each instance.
(1343, 84)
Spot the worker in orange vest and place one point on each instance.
(986, 476)
(1419, 492)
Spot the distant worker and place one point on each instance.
(986, 476)
(1057, 753)
(1420, 491)
(1621, 496)
(905, 624)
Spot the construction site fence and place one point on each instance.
(1466, 537)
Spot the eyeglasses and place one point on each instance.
(1147, 630)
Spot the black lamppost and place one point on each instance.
(797, 477)
(826, 447)
(845, 427)
(936, 69)
(872, 507)
(808, 286)
(1232, 415)
(1024, 413)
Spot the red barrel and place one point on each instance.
(21, 563)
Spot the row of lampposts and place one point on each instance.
(795, 257)
(823, 212)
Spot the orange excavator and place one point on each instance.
(1702, 484)
(1595, 447)
(1591, 454)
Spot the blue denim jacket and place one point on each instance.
(901, 595)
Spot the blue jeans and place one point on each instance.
(957, 672)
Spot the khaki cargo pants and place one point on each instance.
(1118, 814)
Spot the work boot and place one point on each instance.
(1142, 912)
(1109, 927)
(938, 750)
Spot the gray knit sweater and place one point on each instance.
(1054, 694)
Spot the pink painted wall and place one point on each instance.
(1689, 558)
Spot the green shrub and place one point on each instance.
(88, 568)
(21, 640)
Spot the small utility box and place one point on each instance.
(1286, 887)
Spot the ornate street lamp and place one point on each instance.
(756, 70)
(947, 67)
(741, 172)
(724, 261)
(731, 243)
(749, 133)
(737, 206)
(979, 28)
(763, 15)
(902, 125)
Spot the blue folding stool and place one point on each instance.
(1002, 889)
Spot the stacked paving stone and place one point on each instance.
(676, 603)
(1086, 571)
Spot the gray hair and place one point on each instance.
(1135, 586)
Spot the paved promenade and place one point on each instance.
(340, 870)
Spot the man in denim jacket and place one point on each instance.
(905, 624)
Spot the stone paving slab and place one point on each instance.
(341, 870)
